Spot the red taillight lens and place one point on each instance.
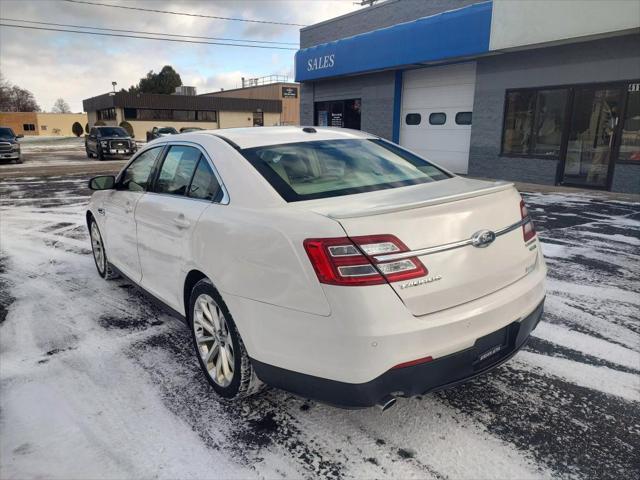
(349, 261)
(528, 230)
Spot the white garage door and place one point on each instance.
(436, 113)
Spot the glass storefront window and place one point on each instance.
(549, 121)
(338, 113)
(517, 122)
(533, 122)
(630, 138)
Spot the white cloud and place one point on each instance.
(75, 66)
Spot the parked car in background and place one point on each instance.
(157, 132)
(109, 141)
(326, 262)
(9, 145)
(190, 129)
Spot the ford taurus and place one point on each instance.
(326, 262)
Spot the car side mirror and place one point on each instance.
(20, 136)
(102, 182)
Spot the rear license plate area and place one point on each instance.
(493, 347)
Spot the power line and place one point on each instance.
(233, 19)
(145, 38)
(145, 33)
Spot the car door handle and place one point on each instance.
(181, 222)
(101, 211)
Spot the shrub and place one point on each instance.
(127, 126)
(77, 129)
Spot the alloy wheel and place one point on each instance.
(214, 340)
(97, 247)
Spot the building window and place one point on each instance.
(130, 114)
(207, 115)
(175, 115)
(28, 127)
(463, 118)
(533, 122)
(184, 115)
(438, 118)
(413, 119)
(339, 113)
(106, 114)
(153, 114)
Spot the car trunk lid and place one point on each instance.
(436, 221)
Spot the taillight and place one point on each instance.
(349, 260)
(528, 230)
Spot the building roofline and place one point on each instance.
(290, 84)
(178, 102)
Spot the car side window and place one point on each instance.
(205, 185)
(93, 132)
(177, 170)
(136, 177)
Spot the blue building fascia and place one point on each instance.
(460, 33)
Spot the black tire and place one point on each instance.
(89, 154)
(244, 382)
(18, 160)
(105, 270)
(100, 154)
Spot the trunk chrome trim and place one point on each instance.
(447, 246)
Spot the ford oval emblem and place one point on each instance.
(483, 238)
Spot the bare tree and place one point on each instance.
(16, 99)
(61, 106)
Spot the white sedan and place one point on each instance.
(327, 262)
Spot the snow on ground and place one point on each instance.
(96, 382)
(40, 143)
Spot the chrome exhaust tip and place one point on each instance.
(386, 403)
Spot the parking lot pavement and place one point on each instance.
(96, 382)
(59, 162)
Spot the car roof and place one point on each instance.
(250, 137)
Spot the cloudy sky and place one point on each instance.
(75, 66)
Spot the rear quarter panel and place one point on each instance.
(258, 254)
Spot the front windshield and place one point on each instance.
(169, 130)
(6, 133)
(330, 168)
(113, 132)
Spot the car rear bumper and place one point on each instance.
(408, 381)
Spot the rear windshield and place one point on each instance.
(167, 130)
(331, 168)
